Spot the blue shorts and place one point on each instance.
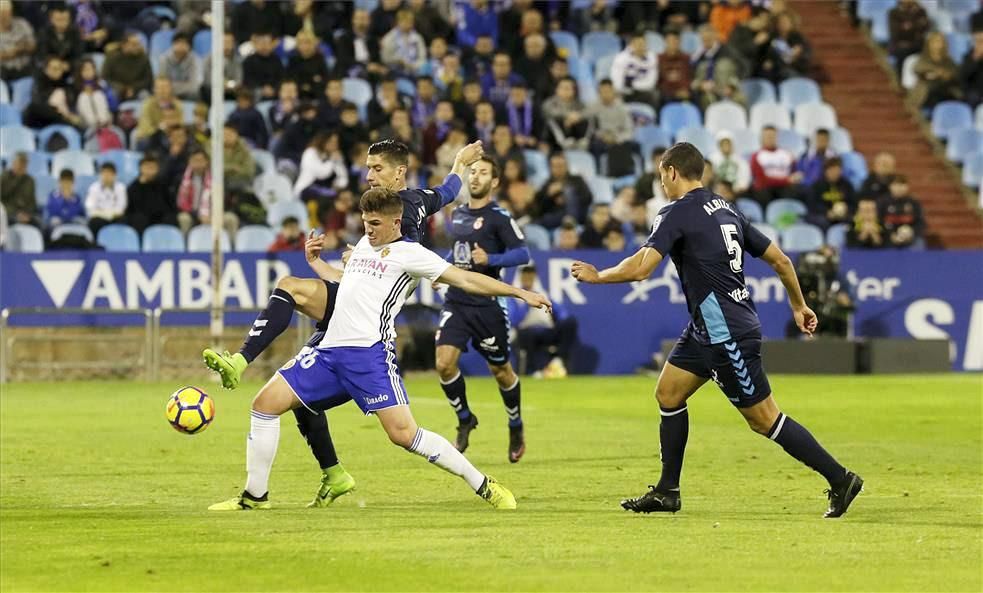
(485, 327)
(735, 366)
(329, 377)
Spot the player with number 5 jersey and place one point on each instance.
(707, 239)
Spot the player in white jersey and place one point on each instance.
(356, 359)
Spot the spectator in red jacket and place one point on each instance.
(675, 71)
(772, 169)
(290, 238)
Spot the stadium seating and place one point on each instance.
(676, 116)
(16, 138)
(979, 117)
(836, 235)
(649, 137)
(766, 113)
(757, 90)
(792, 141)
(948, 116)
(284, 208)
(264, 161)
(802, 237)
(4, 92)
(200, 240)
(9, 116)
(25, 238)
(581, 162)
(908, 77)
(359, 92)
(746, 141)
(959, 45)
(565, 40)
(963, 143)
(973, 170)
(796, 91)
(162, 238)
(273, 187)
(537, 237)
(597, 44)
(784, 212)
(655, 42)
(39, 163)
(118, 238)
(69, 133)
(725, 115)
(690, 42)
(78, 161)
(127, 163)
(201, 43)
(699, 137)
(879, 28)
(642, 114)
(160, 42)
(868, 9)
(43, 186)
(809, 117)
(600, 189)
(254, 238)
(20, 93)
(72, 229)
(84, 182)
(854, 168)
(768, 231)
(840, 139)
(602, 67)
(751, 209)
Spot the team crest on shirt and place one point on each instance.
(479, 222)
(385, 252)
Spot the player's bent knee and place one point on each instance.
(504, 375)
(446, 366)
(295, 287)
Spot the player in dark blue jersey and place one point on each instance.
(486, 239)
(707, 239)
(387, 162)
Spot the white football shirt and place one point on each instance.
(373, 289)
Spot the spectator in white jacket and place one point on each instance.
(92, 104)
(729, 166)
(323, 172)
(105, 203)
(402, 48)
(635, 72)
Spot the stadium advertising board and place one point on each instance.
(917, 294)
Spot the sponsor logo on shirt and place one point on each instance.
(382, 397)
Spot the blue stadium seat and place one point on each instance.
(792, 141)
(127, 163)
(537, 167)
(537, 237)
(746, 141)
(284, 208)
(366, 5)
(879, 29)
(119, 238)
(724, 115)
(840, 140)
(406, 86)
(690, 42)
(581, 162)
(254, 238)
(765, 113)
(264, 108)
(655, 42)
(854, 168)
(793, 92)
(201, 43)
(979, 117)
(802, 237)
(700, 137)
(768, 231)
(948, 116)
(962, 143)
(83, 183)
(20, 93)
(70, 134)
(597, 44)
(264, 160)
(642, 114)
(76, 160)
(959, 45)
(650, 137)
(568, 41)
(758, 89)
(867, 9)
(24, 238)
(751, 209)
(16, 138)
(43, 186)
(9, 116)
(273, 187)
(836, 235)
(72, 229)
(162, 238)
(587, 89)
(98, 58)
(357, 91)
(600, 189)
(39, 163)
(973, 170)
(783, 212)
(602, 67)
(160, 42)
(809, 117)
(4, 93)
(676, 116)
(200, 240)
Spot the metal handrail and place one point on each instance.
(6, 343)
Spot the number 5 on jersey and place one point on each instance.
(729, 232)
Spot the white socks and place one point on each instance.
(440, 452)
(264, 435)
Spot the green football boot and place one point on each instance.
(243, 502)
(496, 495)
(229, 366)
(335, 482)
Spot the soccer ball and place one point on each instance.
(190, 410)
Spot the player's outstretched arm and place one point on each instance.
(804, 317)
(631, 269)
(312, 250)
(467, 157)
(487, 286)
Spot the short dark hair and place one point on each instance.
(382, 201)
(822, 131)
(196, 152)
(107, 166)
(289, 220)
(658, 150)
(181, 37)
(496, 171)
(393, 151)
(605, 82)
(148, 158)
(686, 159)
(832, 162)
(769, 127)
(66, 175)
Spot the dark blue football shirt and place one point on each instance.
(493, 228)
(419, 204)
(707, 238)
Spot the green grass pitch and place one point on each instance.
(97, 492)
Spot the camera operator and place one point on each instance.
(825, 291)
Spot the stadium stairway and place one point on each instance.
(872, 107)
